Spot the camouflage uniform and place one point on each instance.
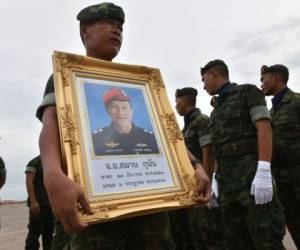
(2, 177)
(143, 232)
(286, 157)
(234, 137)
(197, 228)
(2, 168)
(43, 222)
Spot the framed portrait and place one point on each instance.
(120, 139)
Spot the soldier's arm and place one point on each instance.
(2, 173)
(34, 205)
(203, 182)
(264, 140)
(208, 161)
(2, 180)
(206, 145)
(63, 193)
(254, 99)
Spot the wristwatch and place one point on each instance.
(195, 162)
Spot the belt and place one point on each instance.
(239, 148)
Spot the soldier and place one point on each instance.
(242, 143)
(2, 173)
(41, 221)
(122, 137)
(196, 228)
(285, 113)
(101, 29)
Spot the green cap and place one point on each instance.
(186, 91)
(101, 11)
(211, 64)
(277, 68)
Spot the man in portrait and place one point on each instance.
(122, 136)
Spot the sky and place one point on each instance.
(178, 37)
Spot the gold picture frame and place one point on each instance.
(116, 182)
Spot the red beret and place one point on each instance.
(115, 94)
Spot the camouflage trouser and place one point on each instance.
(289, 196)
(197, 228)
(61, 238)
(251, 226)
(211, 227)
(180, 228)
(144, 232)
(40, 224)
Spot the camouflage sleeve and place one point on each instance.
(32, 165)
(255, 102)
(297, 104)
(2, 167)
(48, 99)
(203, 131)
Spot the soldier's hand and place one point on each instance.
(65, 196)
(203, 184)
(213, 202)
(34, 207)
(262, 187)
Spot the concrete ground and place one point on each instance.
(14, 228)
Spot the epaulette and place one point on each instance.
(99, 130)
(148, 131)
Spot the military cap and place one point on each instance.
(101, 11)
(277, 68)
(212, 64)
(115, 94)
(186, 91)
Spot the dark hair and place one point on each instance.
(191, 99)
(218, 65)
(279, 69)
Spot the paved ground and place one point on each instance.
(14, 222)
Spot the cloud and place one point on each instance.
(266, 40)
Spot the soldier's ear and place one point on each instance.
(214, 73)
(277, 77)
(83, 33)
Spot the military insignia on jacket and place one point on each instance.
(142, 145)
(112, 144)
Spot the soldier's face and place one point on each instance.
(210, 83)
(103, 39)
(269, 84)
(181, 105)
(120, 112)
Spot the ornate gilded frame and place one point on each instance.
(68, 70)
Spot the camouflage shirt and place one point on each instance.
(235, 114)
(48, 99)
(234, 135)
(35, 166)
(195, 132)
(2, 168)
(286, 136)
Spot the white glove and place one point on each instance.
(213, 202)
(262, 187)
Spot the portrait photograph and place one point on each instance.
(119, 120)
(125, 150)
